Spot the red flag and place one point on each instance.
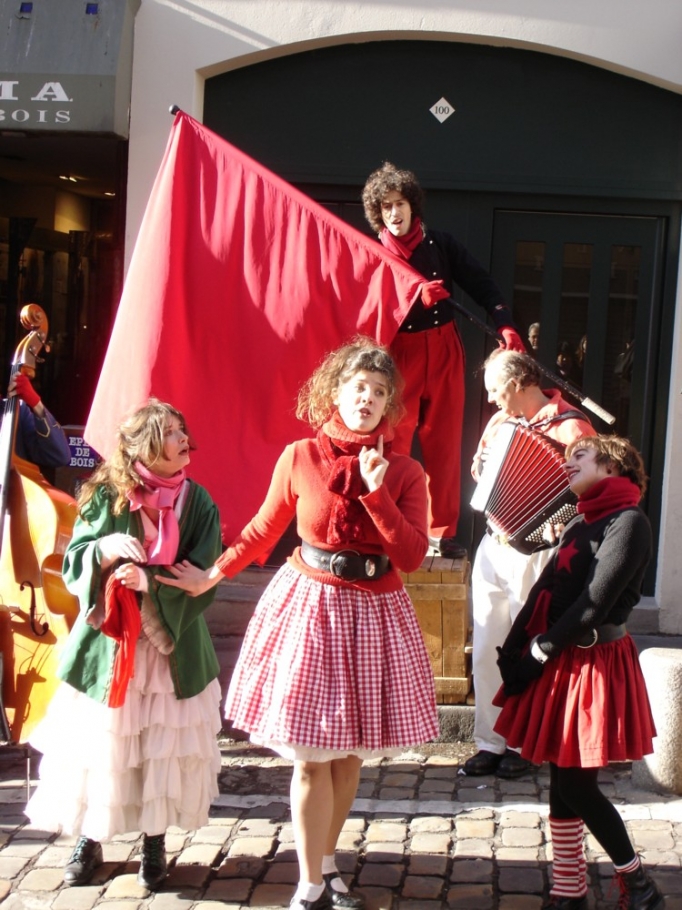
(239, 284)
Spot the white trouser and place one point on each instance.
(501, 580)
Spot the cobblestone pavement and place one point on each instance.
(420, 837)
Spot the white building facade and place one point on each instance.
(600, 80)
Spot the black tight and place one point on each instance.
(574, 793)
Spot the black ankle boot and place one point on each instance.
(638, 891)
(153, 865)
(86, 856)
(566, 903)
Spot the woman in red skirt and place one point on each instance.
(573, 692)
(333, 667)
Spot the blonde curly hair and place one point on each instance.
(140, 438)
(316, 397)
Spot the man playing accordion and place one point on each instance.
(503, 575)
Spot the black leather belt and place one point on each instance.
(347, 564)
(601, 635)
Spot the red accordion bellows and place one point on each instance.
(523, 486)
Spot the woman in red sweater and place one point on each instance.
(333, 668)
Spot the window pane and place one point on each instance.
(619, 352)
(528, 273)
(573, 306)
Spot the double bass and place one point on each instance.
(36, 520)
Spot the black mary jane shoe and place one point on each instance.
(483, 762)
(153, 863)
(342, 900)
(86, 857)
(323, 902)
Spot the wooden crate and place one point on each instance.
(439, 592)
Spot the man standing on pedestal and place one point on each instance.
(428, 349)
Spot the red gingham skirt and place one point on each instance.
(590, 707)
(333, 668)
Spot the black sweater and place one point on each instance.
(595, 577)
(439, 255)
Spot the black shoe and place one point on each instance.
(153, 864)
(86, 856)
(447, 547)
(322, 903)
(513, 765)
(342, 899)
(483, 762)
(566, 903)
(638, 891)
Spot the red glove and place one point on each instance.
(432, 292)
(24, 390)
(512, 339)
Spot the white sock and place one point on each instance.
(306, 891)
(329, 865)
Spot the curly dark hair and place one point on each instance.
(380, 183)
(316, 398)
(617, 452)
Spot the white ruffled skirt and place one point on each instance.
(150, 764)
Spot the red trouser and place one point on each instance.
(432, 365)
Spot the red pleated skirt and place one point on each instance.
(590, 707)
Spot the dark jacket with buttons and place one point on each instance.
(439, 255)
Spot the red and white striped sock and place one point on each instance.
(569, 868)
(630, 867)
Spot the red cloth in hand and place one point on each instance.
(122, 622)
(432, 292)
(512, 339)
(25, 391)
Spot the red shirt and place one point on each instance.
(299, 487)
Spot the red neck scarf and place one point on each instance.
(406, 245)
(160, 493)
(608, 495)
(340, 448)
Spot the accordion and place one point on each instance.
(523, 486)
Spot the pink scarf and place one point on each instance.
(406, 245)
(160, 493)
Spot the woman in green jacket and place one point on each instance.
(129, 740)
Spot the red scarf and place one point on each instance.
(406, 245)
(160, 493)
(608, 495)
(122, 622)
(340, 448)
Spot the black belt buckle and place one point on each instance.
(595, 638)
(339, 564)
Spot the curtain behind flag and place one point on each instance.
(238, 285)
